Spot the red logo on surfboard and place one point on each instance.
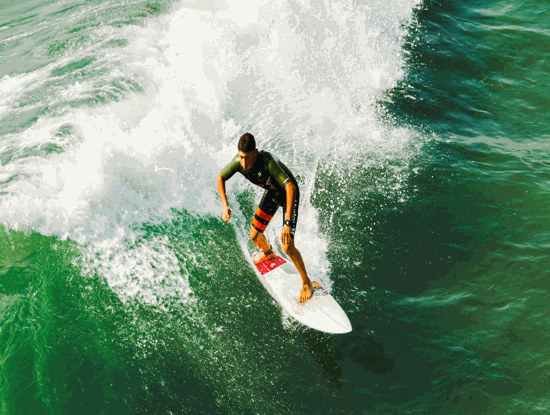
(270, 264)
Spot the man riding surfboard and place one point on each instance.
(281, 189)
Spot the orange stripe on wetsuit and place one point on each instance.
(261, 220)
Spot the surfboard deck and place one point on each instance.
(321, 312)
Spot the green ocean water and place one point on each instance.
(419, 132)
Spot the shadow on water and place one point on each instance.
(326, 354)
(409, 274)
(387, 248)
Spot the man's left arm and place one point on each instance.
(290, 190)
(282, 178)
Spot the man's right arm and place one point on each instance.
(226, 215)
(225, 175)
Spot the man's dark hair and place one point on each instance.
(247, 143)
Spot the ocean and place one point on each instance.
(418, 131)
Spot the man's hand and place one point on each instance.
(285, 235)
(226, 213)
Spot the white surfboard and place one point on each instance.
(321, 312)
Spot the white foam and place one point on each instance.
(148, 272)
(303, 78)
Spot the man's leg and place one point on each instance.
(259, 239)
(263, 215)
(293, 253)
(266, 252)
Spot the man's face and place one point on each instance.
(248, 159)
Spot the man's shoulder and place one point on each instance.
(266, 156)
(233, 165)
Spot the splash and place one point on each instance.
(141, 118)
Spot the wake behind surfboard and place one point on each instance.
(321, 312)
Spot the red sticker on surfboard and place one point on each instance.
(270, 264)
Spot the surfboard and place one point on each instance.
(321, 312)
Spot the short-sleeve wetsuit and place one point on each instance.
(272, 175)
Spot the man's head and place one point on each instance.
(247, 151)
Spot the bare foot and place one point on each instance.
(306, 292)
(262, 256)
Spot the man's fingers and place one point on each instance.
(226, 215)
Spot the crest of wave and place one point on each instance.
(303, 77)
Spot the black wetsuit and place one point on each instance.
(269, 173)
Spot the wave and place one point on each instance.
(132, 123)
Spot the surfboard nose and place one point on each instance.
(340, 324)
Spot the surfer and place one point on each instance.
(281, 189)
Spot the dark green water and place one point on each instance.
(419, 131)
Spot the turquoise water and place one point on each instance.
(419, 132)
